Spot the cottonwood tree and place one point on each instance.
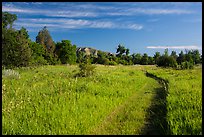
(44, 38)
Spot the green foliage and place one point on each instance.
(86, 70)
(150, 60)
(127, 52)
(136, 58)
(120, 50)
(80, 56)
(196, 56)
(101, 59)
(38, 53)
(181, 58)
(172, 62)
(8, 19)
(167, 61)
(187, 65)
(15, 48)
(51, 58)
(66, 52)
(144, 59)
(156, 57)
(173, 54)
(112, 63)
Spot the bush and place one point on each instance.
(86, 70)
(187, 65)
(112, 63)
(167, 61)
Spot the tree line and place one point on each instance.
(19, 51)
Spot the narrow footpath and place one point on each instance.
(143, 113)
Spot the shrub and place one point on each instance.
(167, 61)
(112, 63)
(187, 65)
(86, 70)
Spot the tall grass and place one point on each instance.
(184, 100)
(51, 100)
(115, 100)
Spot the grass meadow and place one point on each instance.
(184, 100)
(50, 100)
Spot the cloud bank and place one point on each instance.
(173, 47)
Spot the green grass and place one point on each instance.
(50, 100)
(116, 100)
(184, 100)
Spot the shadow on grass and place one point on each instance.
(156, 123)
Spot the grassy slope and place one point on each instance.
(49, 100)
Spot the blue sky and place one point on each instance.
(143, 27)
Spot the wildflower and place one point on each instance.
(9, 73)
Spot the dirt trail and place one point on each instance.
(154, 117)
(117, 110)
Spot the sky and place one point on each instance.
(143, 27)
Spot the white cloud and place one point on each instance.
(138, 11)
(173, 47)
(134, 26)
(91, 10)
(37, 3)
(13, 9)
(57, 13)
(75, 23)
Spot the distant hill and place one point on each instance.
(91, 51)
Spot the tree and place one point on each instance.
(15, 49)
(189, 56)
(156, 57)
(167, 61)
(173, 54)
(66, 52)
(38, 53)
(196, 56)
(15, 43)
(44, 38)
(144, 59)
(136, 58)
(8, 19)
(171, 62)
(181, 58)
(80, 56)
(120, 50)
(102, 58)
(166, 52)
(127, 52)
(150, 60)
